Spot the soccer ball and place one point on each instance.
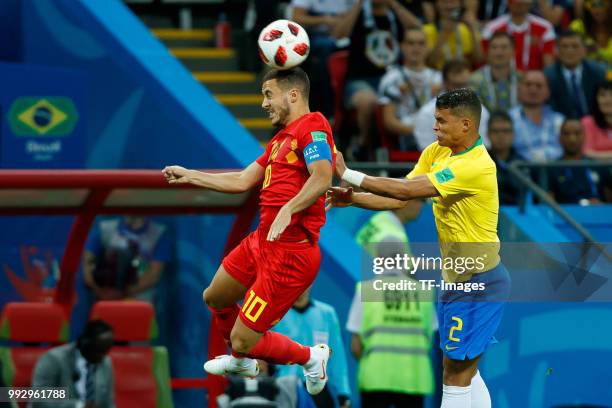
(283, 44)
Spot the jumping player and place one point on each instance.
(460, 176)
(276, 263)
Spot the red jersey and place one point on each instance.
(287, 172)
(532, 39)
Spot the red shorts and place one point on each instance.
(275, 273)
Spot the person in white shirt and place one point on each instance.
(455, 74)
(404, 89)
(536, 125)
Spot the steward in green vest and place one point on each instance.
(392, 337)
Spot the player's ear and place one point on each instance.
(294, 95)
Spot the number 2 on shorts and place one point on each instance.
(252, 303)
(458, 327)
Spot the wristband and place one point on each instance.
(353, 177)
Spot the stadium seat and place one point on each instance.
(38, 326)
(390, 143)
(338, 66)
(142, 372)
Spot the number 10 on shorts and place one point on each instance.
(253, 306)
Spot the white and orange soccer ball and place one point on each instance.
(283, 44)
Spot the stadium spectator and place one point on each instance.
(486, 10)
(375, 28)
(404, 89)
(496, 83)
(320, 18)
(453, 36)
(503, 154)
(423, 9)
(311, 321)
(455, 75)
(557, 12)
(536, 125)
(598, 126)
(573, 79)
(534, 37)
(571, 185)
(84, 368)
(391, 339)
(125, 258)
(596, 27)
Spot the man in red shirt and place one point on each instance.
(276, 263)
(534, 37)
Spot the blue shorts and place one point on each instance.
(468, 321)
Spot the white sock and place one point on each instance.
(456, 397)
(480, 393)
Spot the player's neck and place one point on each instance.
(468, 144)
(296, 114)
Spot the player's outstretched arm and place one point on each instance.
(317, 184)
(230, 182)
(344, 197)
(400, 189)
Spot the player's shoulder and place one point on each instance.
(481, 159)
(314, 121)
(433, 150)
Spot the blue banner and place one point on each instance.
(43, 124)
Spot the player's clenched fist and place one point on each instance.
(176, 174)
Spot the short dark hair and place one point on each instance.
(567, 120)
(499, 115)
(453, 67)
(502, 34)
(461, 101)
(598, 115)
(94, 328)
(570, 34)
(290, 78)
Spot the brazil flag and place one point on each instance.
(43, 116)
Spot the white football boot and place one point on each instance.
(315, 370)
(223, 365)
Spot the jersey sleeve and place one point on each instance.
(263, 159)
(315, 142)
(461, 177)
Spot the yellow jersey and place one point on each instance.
(466, 211)
(457, 45)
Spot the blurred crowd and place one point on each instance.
(543, 71)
